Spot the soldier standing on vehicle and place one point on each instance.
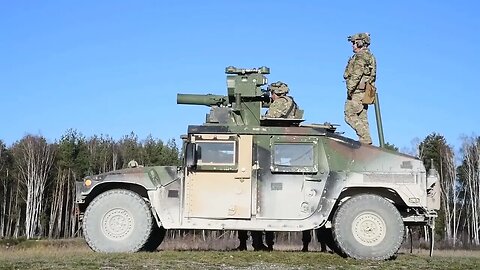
(282, 106)
(359, 75)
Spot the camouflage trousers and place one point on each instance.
(356, 116)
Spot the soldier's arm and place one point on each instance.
(357, 72)
(345, 73)
(373, 72)
(277, 109)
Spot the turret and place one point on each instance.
(243, 102)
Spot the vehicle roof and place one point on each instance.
(303, 130)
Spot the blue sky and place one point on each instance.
(113, 67)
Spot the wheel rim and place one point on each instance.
(369, 229)
(117, 224)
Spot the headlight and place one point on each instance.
(87, 182)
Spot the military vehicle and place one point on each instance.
(242, 171)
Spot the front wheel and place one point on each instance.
(368, 227)
(117, 221)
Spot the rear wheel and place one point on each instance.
(368, 227)
(117, 221)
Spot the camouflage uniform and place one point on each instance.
(280, 108)
(284, 106)
(361, 69)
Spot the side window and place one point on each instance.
(216, 155)
(293, 155)
(216, 152)
(299, 157)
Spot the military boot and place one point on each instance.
(242, 237)
(257, 241)
(306, 238)
(260, 247)
(269, 237)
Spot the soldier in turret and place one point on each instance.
(359, 74)
(282, 106)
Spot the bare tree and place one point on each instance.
(469, 172)
(435, 148)
(9, 193)
(34, 158)
(449, 195)
(57, 202)
(4, 174)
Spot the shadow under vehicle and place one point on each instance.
(242, 171)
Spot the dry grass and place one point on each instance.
(444, 253)
(193, 254)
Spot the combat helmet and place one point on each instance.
(361, 39)
(279, 88)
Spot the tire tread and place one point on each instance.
(133, 196)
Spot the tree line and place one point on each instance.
(459, 172)
(37, 180)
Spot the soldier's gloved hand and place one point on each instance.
(266, 100)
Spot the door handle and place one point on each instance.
(313, 179)
(241, 178)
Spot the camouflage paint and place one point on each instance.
(256, 194)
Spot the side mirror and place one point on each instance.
(190, 155)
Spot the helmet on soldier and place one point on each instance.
(360, 39)
(279, 88)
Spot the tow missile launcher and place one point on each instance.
(243, 103)
(242, 171)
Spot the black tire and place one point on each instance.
(368, 227)
(117, 221)
(156, 238)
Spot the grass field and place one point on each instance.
(74, 254)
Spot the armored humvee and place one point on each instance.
(242, 171)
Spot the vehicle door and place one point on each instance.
(219, 185)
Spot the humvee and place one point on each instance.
(242, 171)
